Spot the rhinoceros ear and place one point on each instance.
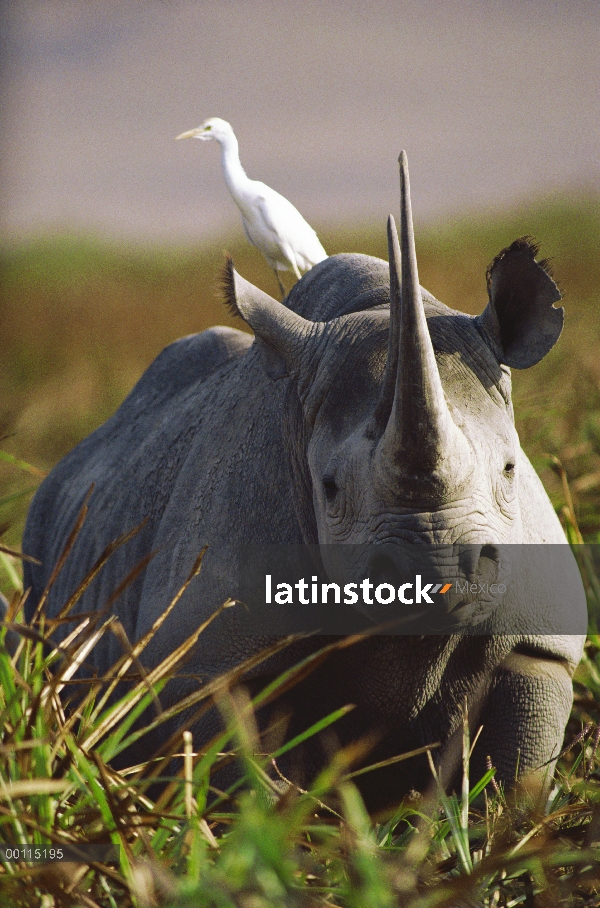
(520, 317)
(280, 334)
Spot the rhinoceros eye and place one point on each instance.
(330, 488)
(509, 469)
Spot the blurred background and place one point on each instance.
(494, 103)
(113, 234)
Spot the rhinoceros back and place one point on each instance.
(109, 458)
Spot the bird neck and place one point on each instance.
(235, 175)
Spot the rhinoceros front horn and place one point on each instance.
(419, 432)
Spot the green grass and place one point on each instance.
(260, 844)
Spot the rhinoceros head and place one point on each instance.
(406, 404)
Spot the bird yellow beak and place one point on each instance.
(190, 134)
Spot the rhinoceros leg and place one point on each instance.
(524, 717)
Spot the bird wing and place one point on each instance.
(288, 228)
(248, 237)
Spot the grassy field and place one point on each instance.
(250, 846)
(80, 320)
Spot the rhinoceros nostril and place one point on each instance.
(491, 552)
(479, 563)
(487, 565)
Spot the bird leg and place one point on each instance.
(281, 287)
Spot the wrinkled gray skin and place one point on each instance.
(340, 423)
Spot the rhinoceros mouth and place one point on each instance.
(383, 569)
(464, 583)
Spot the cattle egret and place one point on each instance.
(271, 223)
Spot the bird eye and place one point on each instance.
(330, 488)
(207, 128)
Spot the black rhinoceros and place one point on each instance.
(364, 412)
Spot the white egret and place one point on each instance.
(271, 223)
